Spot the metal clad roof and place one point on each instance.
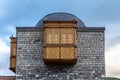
(60, 17)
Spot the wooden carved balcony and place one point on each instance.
(59, 42)
(13, 54)
(60, 55)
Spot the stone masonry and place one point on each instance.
(90, 56)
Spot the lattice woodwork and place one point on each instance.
(52, 52)
(58, 38)
(67, 52)
(13, 49)
(52, 36)
(67, 36)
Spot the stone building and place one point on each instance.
(58, 47)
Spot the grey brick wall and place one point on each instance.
(90, 58)
(29, 54)
(90, 55)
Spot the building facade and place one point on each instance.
(59, 47)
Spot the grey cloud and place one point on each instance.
(2, 66)
(110, 42)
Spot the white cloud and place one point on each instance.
(4, 49)
(113, 61)
(4, 57)
(112, 52)
(4, 52)
(112, 35)
(112, 29)
(6, 72)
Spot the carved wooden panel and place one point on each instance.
(52, 52)
(13, 62)
(58, 38)
(67, 52)
(13, 49)
(52, 36)
(67, 35)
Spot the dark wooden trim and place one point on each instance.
(12, 57)
(20, 29)
(60, 61)
(90, 29)
(59, 42)
(60, 45)
(72, 21)
(13, 69)
(13, 37)
(59, 27)
(45, 36)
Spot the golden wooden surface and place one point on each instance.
(13, 54)
(52, 36)
(67, 35)
(52, 53)
(67, 52)
(59, 34)
(13, 62)
(13, 49)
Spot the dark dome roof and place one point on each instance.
(60, 17)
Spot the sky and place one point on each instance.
(94, 13)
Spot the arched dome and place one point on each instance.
(60, 17)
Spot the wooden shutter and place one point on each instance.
(59, 44)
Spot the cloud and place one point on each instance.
(113, 61)
(4, 71)
(4, 49)
(112, 51)
(4, 58)
(112, 34)
(4, 53)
